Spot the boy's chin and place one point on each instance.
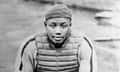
(58, 42)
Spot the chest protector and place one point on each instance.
(64, 59)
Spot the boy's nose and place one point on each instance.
(58, 31)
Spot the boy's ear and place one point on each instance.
(70, 24)
(45, 23)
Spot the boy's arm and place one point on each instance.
(86, 56)
(27, 59)
(24, 62)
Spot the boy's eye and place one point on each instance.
(52, 24)
(64, 25)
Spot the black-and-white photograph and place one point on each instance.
(59, 35)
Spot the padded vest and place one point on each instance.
(64, 59)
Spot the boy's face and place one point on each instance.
(58, 29)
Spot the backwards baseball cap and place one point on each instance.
(57, 11)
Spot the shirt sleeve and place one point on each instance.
(87, 56)
(28, 58)
(25, 60)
